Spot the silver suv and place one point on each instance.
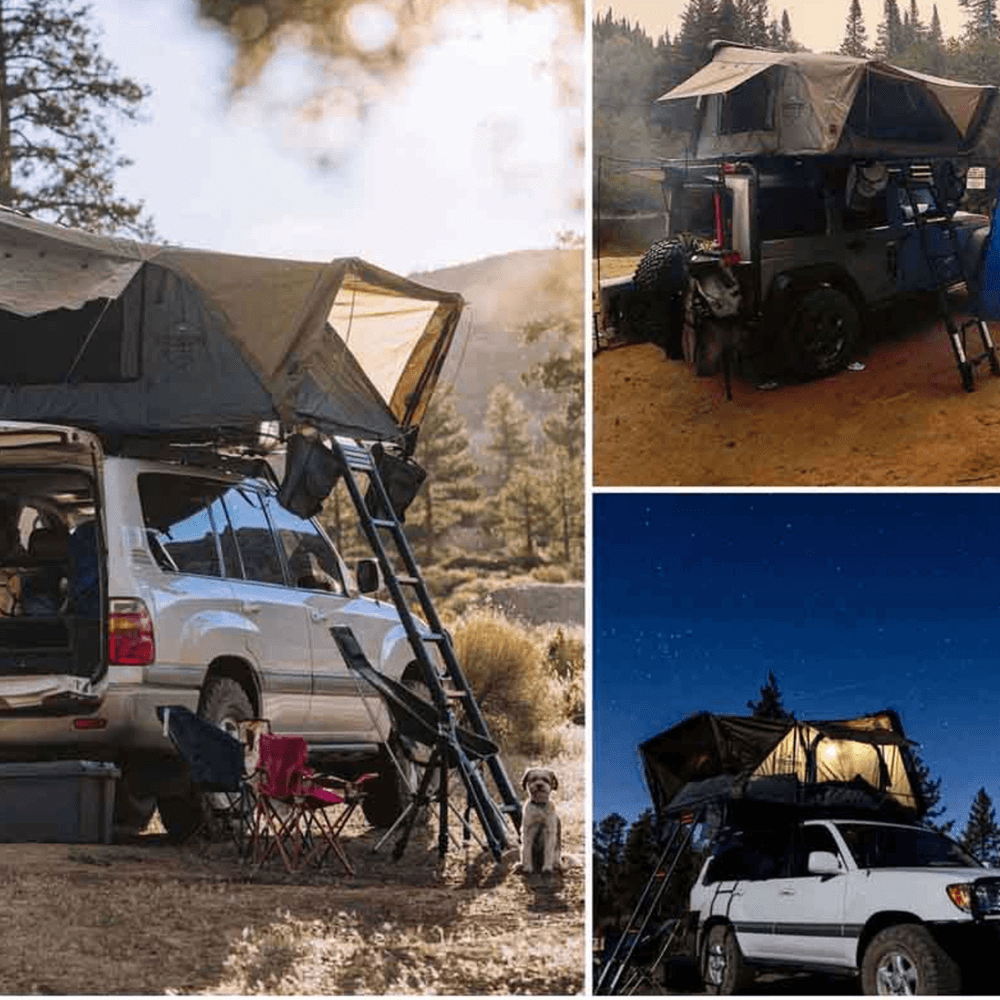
(128, 582)
(903, 905)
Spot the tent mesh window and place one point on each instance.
(90, 344)
(748, 107)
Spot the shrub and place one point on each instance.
(508, 671)
(551, 574)
(566, 663)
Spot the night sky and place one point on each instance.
(856, 601)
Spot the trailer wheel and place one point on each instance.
(822, 332)
(722, 968)
(661, 279)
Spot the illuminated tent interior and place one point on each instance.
(861, 763)
(132, 339)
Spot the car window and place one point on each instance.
(752, 855)
(788, 210)
(923, 197)
(257, 548)
(310, 558)
(178, 524)
(813, 838)
(902, 847)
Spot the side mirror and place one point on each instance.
(367, 574)
(824, 863)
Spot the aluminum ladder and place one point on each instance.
(448, 687)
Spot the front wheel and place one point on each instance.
(906, 961)
(822, 332)
(722, 968)
(390, 793)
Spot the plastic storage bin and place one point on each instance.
(57, 801)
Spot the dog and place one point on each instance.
(541, 833)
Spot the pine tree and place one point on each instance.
(982, 22)
(890, 31)
(566, 501)
(753, 16)
(769, 704)
(917, 31)
(450, 492)
(526, 515)
(507, 425)
(930, 793)
(787, 42)
(608, 852)
(981, 836)
(727, 19)
(855, 41)
(57, 94)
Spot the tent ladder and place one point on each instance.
(447, 684)
(912, 178)
(610, 981)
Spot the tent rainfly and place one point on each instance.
(134, 339)
(710, 758)
(755, 102)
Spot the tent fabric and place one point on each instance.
(715, 756)
(216, 340)
(822, 104)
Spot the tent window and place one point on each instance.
(885, 108)
(90, 344)
(749, 107)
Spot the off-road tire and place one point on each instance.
(905, 959)
(132, 812)
(389, 794)
(224, 702)
(822, 332)
(722, 968)
(660, 316)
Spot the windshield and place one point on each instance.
(902, 847)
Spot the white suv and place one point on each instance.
(904, 905)
(130, 582)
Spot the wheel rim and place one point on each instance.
(825, 338)
(716, 964)
(896, 976)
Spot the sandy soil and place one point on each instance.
(903, 421)
(149, 917)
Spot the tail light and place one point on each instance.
(130, 633)
(731, 258)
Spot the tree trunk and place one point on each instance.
(6, 171)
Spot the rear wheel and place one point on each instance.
(822, 332)
(133, 811)
(905, 960)
(226, 703)
(389, 794)
(722, 968)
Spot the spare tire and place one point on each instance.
(661, 280)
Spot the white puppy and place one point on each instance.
(540, 826)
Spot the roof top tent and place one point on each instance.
(755, 102)
(132, 339)
(860, 764)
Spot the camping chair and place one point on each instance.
(215, 765)
(290, 812)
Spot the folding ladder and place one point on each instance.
(447, 686)
(620, 976)
(922, 176)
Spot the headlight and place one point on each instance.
(961, 895)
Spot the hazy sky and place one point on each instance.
(817, 24)
(476, 154)
(857, 602)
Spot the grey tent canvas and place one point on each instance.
(135, 339)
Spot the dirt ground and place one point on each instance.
(903, 421)
(149, 917)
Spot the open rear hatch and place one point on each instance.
(52, 571)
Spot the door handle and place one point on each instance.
(319, 616)
(250, 608)
(786, 892)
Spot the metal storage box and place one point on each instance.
(60, 801)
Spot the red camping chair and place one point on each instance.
(290, 815)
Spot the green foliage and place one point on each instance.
(509, 439)
(57, 96)
(855, 41)
(981, 836)
(769, 704)
(526, 516)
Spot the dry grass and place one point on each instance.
(153, 918)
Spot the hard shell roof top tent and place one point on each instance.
(756, 102)
(134, 339)
(846, 763)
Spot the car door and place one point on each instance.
(343, 707)
(278, 633)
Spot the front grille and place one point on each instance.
(986, 897)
